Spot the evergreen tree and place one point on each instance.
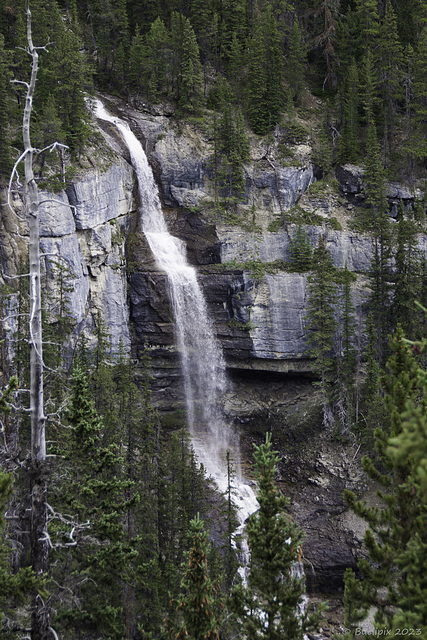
(269, 606)
(389, 529)
(417, 139)
(295, 62)
(322, 324)
(265, 74)
(378, 221)
(198, 606)
(368, 83)
(327, 10)
(346, 360)
(97, 496)
(158, 53)
(388, 56)
(5, 164)
(349, 140)
(368, 21)
(257, 81)
(138, 61)
(409, 447)
(300, 250)
(233, 148)
(408, 277)
(14, 586)
(186, 68)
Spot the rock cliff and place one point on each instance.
(258, 308)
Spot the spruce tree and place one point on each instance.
(233, 147)
(377, 220)
(300, 250)
(158, 55)
(409, 448)
(417, 138)
(388, 57)
(5, 165)
(270, 605)
(265, 74)
(346, 358)
(408, 277)
(96, 496)
(390, 529)
(322, 324)
(349, 139)
(199, 605)
(14, 586)
(295, 61)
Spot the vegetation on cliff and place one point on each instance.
(120, 498)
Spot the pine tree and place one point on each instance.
(265, 74)
(346, 360)
(349, 139)
(233, 148)
(14, 586)
(295, 61)
(408, 277)
(377, 220)
(390, 530)
(300, 250)
(368, 22)
(5, 164)
(269, 606)
(186, 67)
(199, 605)
(327, 9)
(417, 139)
(158, 54)
(368, 83)
(97, 497)
(388, 56)
(322, 324)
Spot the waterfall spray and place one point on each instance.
(202, 361)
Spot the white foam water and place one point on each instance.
(202, 360)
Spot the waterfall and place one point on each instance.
(202, 360)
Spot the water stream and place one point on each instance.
(202, 360)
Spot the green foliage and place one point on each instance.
(14, 587)
(323, 152)
(269, 605)
(346, 400)
(322, 324)
(301, 250)
(199, 605)
(295, 62)
(5, 162)
(231, 145)
(265, 74)
(349, 140)
(397, 530)
(408, 277)
(186, 68)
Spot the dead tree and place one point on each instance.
(40, 626)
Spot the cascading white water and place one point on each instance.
(201, 357)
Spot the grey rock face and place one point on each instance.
(102, 196)
(65, 251)
(76, 233)
(56, 217)
(277, 316)
(182, 161)
(343, 246)
(350, 177)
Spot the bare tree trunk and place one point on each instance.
(38, 537)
